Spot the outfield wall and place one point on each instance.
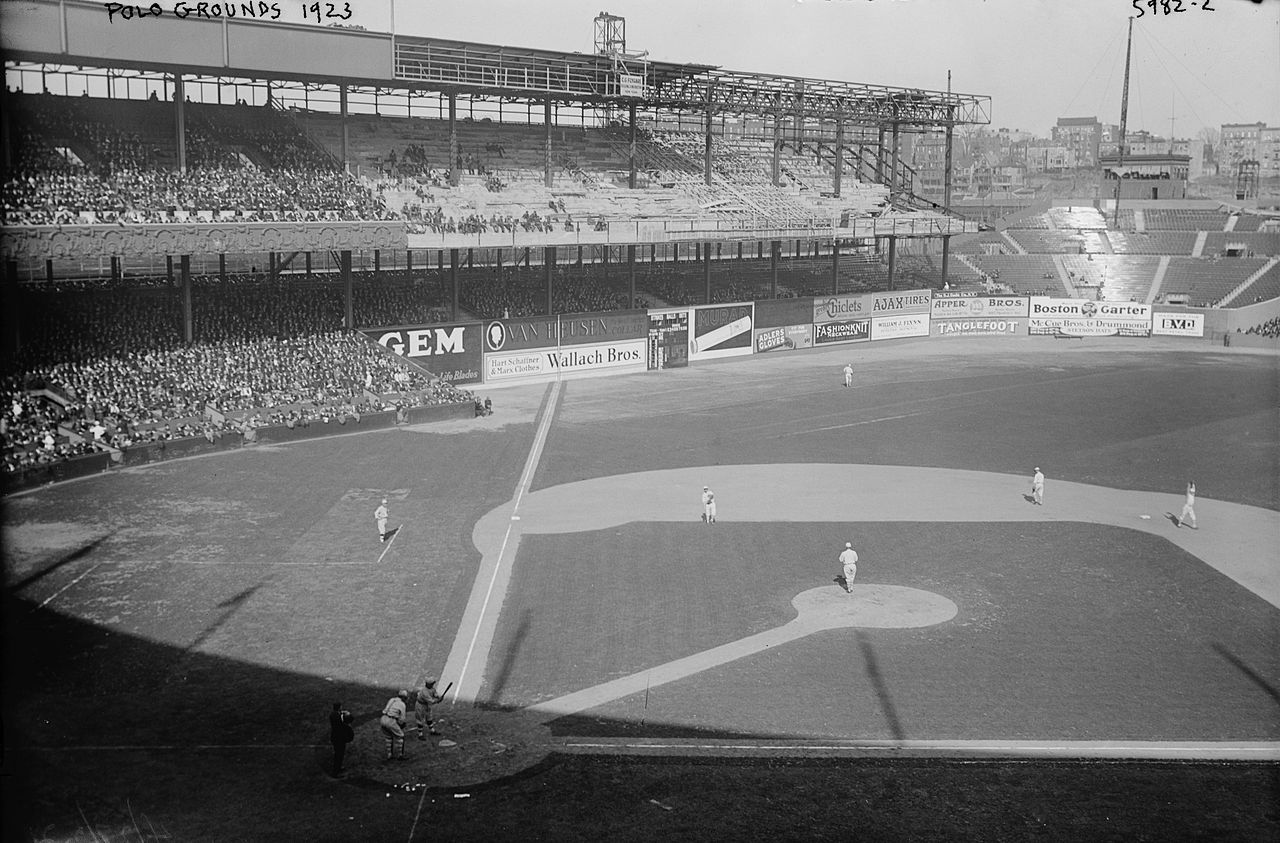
(540, 349)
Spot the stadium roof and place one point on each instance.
(70, 32)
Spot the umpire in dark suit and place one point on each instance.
(340, 734)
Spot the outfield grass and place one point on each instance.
(175, 634)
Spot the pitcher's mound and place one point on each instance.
(873, 606)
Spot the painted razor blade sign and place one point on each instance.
(450, 351)
(721, 331)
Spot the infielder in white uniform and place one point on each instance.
(849, 561)
(1037, 488)
(380, 515)
(848, 374)
(708, 505)
(1188, 508)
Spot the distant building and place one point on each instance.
(1240, 142)
(1081, 136)
(1269, 152)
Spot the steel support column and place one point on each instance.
(631, 275)
(835, 267)
(706, 153)
(546, 161)
(706, 271)
(455, 164)
(348, 294)
(880, 153)
(839, 162)
(631, 179)
(548, 268)
(775, 248)
(188, 323)
(453, 283)
(776, 169)
(180, 120)
(893, 254)
(897, 151)
(342, 112)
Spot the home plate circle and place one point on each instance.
(872, 606)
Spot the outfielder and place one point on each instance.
(426, 697)
(708, 505)
(849, 561)
(380, 515)
(392, 724)
(848, 374)
(1037, 488)
(1188, 508)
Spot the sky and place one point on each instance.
(1038, 60)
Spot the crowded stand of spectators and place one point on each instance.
(256, 167)
(421, 220)
(520, 294)
(1270, 328)
(159, 196)
(103, 368)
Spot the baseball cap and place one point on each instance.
(848, 544)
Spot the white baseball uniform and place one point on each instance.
(849, 561)
(1188, 508)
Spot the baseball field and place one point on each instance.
(176, 634)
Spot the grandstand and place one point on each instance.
(458, 186)
(329, 204)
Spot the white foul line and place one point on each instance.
(1193, 750)
(526, 477)
(857, 423)
(50, 598)
(394, 536)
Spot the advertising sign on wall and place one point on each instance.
(721, 331)
(980, 327)
(835, 308)
(849, 330)
(558, 362)
(783, 338)
(1167, 324)
(978, 307)
(894, 327)
(451, 351)
(1086, 318)
(564, 329)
